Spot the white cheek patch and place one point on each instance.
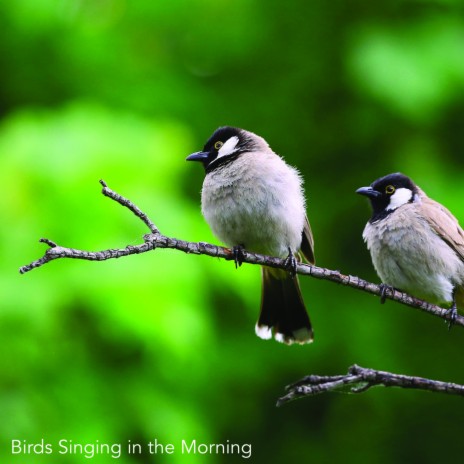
(229, 147)
(399, 198)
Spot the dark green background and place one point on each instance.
(161, 345)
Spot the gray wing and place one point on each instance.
(307, 243)
(444, 224)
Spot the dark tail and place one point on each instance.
(283, 313)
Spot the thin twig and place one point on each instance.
(359, 379)
(128, 204)
(156, 240)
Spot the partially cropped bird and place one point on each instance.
(253, 200)
(416, 244)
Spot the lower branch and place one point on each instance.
(359, 379)
(156, 240)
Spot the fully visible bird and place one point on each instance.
(416, 244)
(253, 200)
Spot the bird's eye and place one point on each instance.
(390, 190)
(218, 145)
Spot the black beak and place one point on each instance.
(368, 192)
(198, 156)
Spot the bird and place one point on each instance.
(253, 200)
(416, 244)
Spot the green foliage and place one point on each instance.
(422, 60)
(162, 345)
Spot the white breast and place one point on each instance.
(409, 256)
(255, 201)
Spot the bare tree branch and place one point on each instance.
(128, 204)
(359, 379)
(156, 240)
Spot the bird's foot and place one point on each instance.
(452, 313)
(291, 263)
(383, 292)
(239, 255)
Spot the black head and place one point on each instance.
(224, 146)
(389, 193)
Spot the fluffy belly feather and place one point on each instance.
(413, 259)
(252, 217)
